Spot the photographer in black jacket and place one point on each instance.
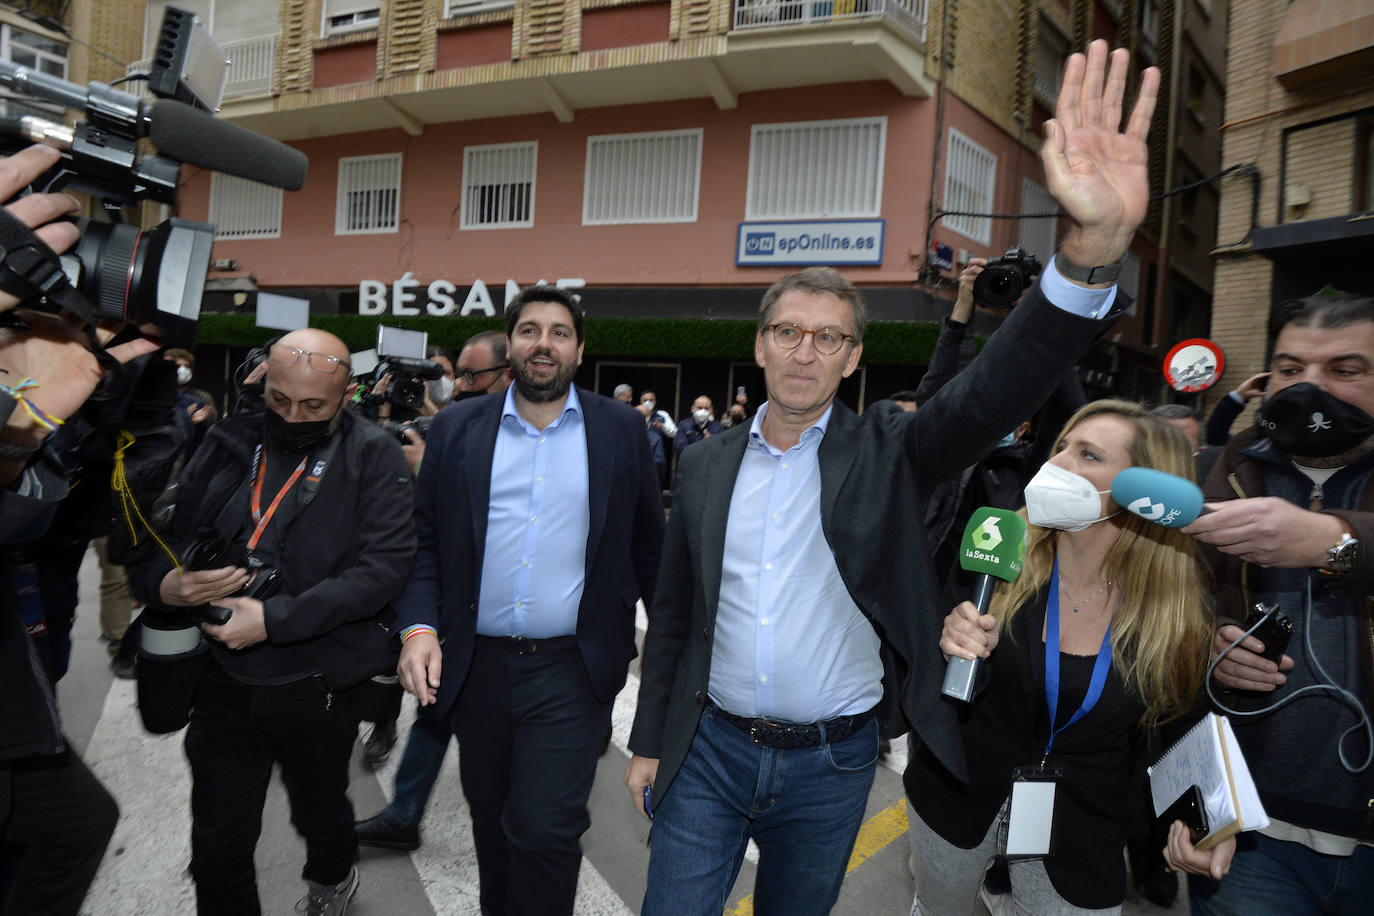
(52, 808)
(325, 498)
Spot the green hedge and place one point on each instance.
(886, 342)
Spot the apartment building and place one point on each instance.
(1298, 214)
(669, 158)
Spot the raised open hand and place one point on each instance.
(1097, 171)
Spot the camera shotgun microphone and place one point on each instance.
(1159, 497)
(993, 544)
(191, 135)
(179, 131)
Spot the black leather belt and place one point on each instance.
(790, 735)
(519, 645)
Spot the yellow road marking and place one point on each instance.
(877, 832)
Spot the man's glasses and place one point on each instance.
(320, 362)
(827, 341)
(469, 376)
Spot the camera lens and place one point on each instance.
(154, 276)
(408, 393)
(998, 287)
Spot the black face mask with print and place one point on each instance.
(1305, 421)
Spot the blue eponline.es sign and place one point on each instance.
(852, 241)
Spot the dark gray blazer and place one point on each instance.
(874, 470)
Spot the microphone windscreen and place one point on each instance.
(993, 543)
(1155, 496)
(193, 136)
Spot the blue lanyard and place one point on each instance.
(1100, 667)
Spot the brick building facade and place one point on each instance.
(1300, 124)
(462, 145)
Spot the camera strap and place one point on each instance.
(308, 490)
(30, 270)
(260, 518)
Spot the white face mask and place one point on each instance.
(649, 405)
(440, 389)
(1056, 498)
(183, 375)
(702, 416)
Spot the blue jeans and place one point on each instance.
(418, 771)
(802, 807)
(1273, 878)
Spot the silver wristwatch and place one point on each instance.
(1342, 556)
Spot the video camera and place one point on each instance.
(401, 353)
(408, 377)
(148, 277)
(1003, 281)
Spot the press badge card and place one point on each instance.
(1031, 821)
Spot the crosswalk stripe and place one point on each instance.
(447, 862)
(144, 870)
(876, 834)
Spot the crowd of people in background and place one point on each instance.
(481, 535)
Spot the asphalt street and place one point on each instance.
(145, 868)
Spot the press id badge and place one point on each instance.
(1030, 824)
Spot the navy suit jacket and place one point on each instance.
(452, 496)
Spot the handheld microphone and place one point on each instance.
(1155, 496)
(993, 544)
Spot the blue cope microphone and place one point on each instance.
(1165, 499)
(993, 544)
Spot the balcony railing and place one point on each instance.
(907, 15)
(251, 66)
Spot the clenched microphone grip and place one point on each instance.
(994, 542)
(1158, 497)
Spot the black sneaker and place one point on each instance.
(329, 899)
(379, 744)
(125, 662)
(378, 832)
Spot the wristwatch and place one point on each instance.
(1342, 556)
(1102, 273)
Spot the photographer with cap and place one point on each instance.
(324, 497)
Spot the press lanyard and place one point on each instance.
(1100, 667)
(262, 518)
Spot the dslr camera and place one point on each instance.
(419, 424)
(213, 549)
(1003, 281)
(117, 271)
(173, 656)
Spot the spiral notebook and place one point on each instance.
(1209, 757)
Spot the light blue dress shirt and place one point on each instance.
(534, 565)
(1079, 300)
(790, 643)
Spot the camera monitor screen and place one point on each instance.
(205, 69)
(402, 343)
